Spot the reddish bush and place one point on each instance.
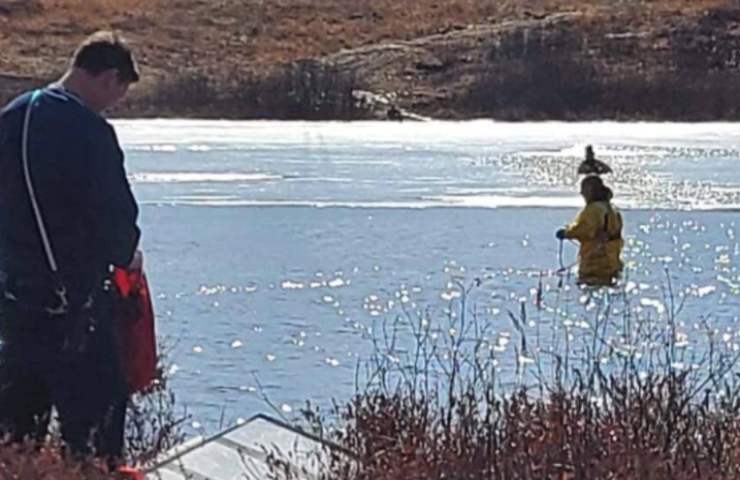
(24, 462)
(631, 404)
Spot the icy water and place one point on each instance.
(277, 250)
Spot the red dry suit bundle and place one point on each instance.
(134, 318)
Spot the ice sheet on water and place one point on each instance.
(201, 177)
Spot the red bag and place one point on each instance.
(135, 320)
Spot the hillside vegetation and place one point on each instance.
(527, 59)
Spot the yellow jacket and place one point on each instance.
(598, 228)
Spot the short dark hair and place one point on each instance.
(103, 51)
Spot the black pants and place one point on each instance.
(68, 361)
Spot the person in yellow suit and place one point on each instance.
(598, 229)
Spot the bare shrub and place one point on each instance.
(153, 425)
(309, 90)
(622, 395)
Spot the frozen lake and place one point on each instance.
(275, 248)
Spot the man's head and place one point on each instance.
(102, 69)
(594, 190)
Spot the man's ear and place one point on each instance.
(109, 77)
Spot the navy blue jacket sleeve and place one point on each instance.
(114, 208)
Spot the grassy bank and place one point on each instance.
(596, 388)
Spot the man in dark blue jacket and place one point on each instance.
(67, 215)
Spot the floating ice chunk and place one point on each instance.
(164, 148)
(654, 303)
(197, 349)
(206, 290)
(199, 148)
(704, 291)
(290, 285)
(451, 294)
(336, 283)
(236, 344)
(525, 360)
(723, 259)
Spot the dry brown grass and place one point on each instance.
(221, 39)
(98, 8)
(31, 463)
(199, 33)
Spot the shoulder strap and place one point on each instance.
(618, 217)
(29, 184)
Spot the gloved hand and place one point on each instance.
(560, 234)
